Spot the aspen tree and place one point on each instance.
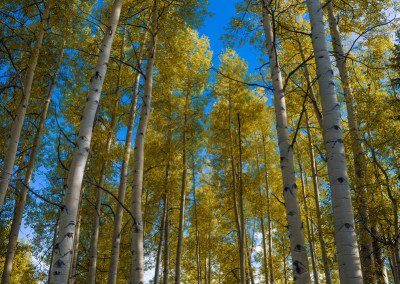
(137, 267)
(20, 204)
(65, 239)
(297, 241)
(117, 226)
(345, 234)
(359, 159)
(16, 127)
(183, 196)
(311, 92)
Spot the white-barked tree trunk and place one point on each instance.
(65, 239)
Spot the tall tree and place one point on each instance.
(62, 259)
(297, 241)
(345, 231)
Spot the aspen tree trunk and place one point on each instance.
(265, 255)
(116, 240)
(293, 214)
(359, 159)
(20, 206)
(209, 259)
(310, 236)
(18, 123)
(99, 192)
(137, 267)
(198, 261)
(264, 239)
(160, 243)
(236, 210)
(241, 202)
(183, 200)
(64, 245)
(53, 244)
(345, 234)
(251, 274)
(72, 271)
(166, 244)
(271, 271)
(327, 271)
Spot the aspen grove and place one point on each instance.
(196, 141)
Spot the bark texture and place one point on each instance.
(297, 242)
(343, 216)
(65, 239)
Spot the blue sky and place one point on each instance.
(213, 28)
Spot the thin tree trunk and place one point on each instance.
(310, 237)
(241, 202)
(116, 240)
(360, 166)
(53, 244)
(346, 238)
(99, 192)
(209, 259)
(264, 239)
(270, 261)
(234, 185)
(16, 127)
(72, 271)
(137, 267)
(20, 205)
(166, 244)
(198, 260)
(183, 200)
(328, 278)
(250, 268)
(284, 260)
(160, 243)
(293, 214)
(65, 240)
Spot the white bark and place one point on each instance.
(359, 159)
(16, 127)
(99, 192)
(62, 260)
(293, 214)
(137, 267)
(72, 272)
(20, 206)
(345, 234)
(116, 240)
